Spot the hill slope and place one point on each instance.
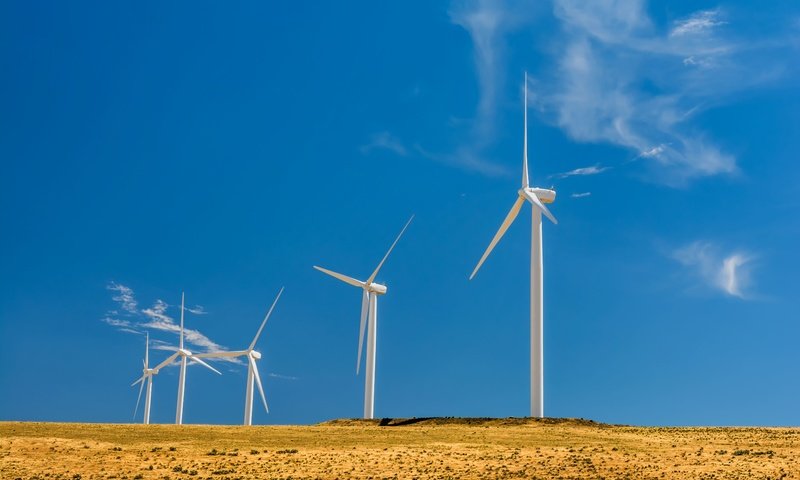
(401, 448)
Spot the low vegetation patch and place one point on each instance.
(395, 449)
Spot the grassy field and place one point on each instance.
(396, 449)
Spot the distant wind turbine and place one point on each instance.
(252, 369)
(147, 377)
(537, 198)
(185, 355)
(369, 321)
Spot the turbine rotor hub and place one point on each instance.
(545, 195)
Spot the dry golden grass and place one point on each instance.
(433, 448)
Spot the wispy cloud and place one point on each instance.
(156, 317)
(621, 77)
(124, 296)
(730, 273)
(698, 23)
(384, 141)
(465, 157)
(581, 195)
(487, 22)
(619, 80)
(653, 152)
(115, 322)
(593, 170)
(281, 377)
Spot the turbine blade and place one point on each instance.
(166, 362)
(182, 298)
(258, 382)
(255, 339)
(238, 353)
(137, 381)
(205, 365)
(364, 309)
(525, 178)
(497, 236)
(138, 399)
(538, 204)
(375, 273)
(344, 278)
(146, 349)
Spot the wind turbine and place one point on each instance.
(252, 369)
(185, 355)
(537, 198)
(369, 316)
(147, 377)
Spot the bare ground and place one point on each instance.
(396, 449)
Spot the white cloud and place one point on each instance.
(281, 377)
(622, 78)
(701, 22)
(597, 93)
(487, 22)
(581, 195)
(732, 275)
(593, 170)
(466, 157)
(157, 318)
(156, 313)
(115, 322)
(729, 272)
(384, 141)
(653, 152)
(124, 296)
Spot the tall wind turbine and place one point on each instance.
(537, 198)
(147, 377)
(252, 369)
(185, 356)
(369, 321)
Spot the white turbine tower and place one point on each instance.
(252, 369)
(185, 356)
(537, 198)
(147, 377)
(369, 321)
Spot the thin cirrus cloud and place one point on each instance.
(130, 319)
(626, 80)
(729, 273)
(465, 157)
(697, 23)
(124, 296)
(581, 195)
(612, 74)
(384, 141)
(487, 22)
(583, 171)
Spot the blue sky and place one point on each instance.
(224, 149)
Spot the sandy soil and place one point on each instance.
(398, 449)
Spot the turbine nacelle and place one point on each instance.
(376, 288)
(255, 355)
(543, 194)
(184, 352)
